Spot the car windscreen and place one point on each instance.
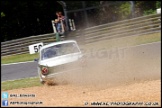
(59, 50)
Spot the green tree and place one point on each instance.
(146, 7)
(124, 10)
(158, 4)
(26, 18)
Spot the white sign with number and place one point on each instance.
(35, 48)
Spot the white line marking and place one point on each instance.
(140, 45)
(121, 48)
(16, 63)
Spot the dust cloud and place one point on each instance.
(114, 66)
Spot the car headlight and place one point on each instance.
(44, 70)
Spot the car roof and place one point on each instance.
(55, 43)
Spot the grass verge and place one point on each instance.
(18, 58)
(124, 41)
(21, 83)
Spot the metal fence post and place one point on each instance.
(70, 23)
(132, 8)
(85, 13)
(54, 28)
(73, 24)
(62, 26)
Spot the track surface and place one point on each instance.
(17, 71)
(25, 70)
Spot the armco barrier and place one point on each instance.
(130, 27)
(19, 46)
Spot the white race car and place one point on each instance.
(57, 58)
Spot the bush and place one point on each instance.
(158, 4)
(148, 12)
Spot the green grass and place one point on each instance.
(18, 58)
(124, 42)
(148, 38)
(21, 83)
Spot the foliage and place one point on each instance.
(153, 11)
(111, 11)
(146, 7)
(78, 4)
(2, 14)
(92, 3)
(148, 12)
(124, 10)
(73, 5)
(27, 18)
(158, 4)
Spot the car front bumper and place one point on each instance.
(52, 75)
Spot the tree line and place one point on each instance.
(27, 18)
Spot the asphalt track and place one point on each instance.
(29, 69)
(18, 71)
